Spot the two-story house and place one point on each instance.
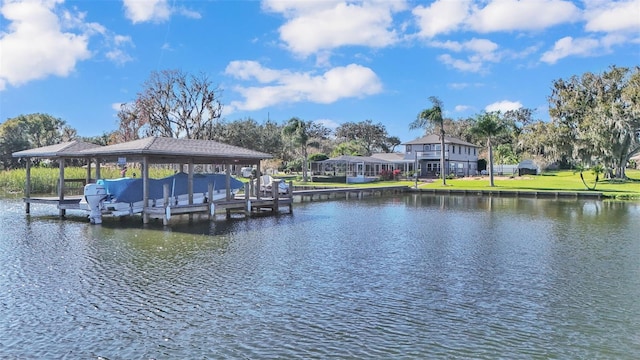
(461, 157)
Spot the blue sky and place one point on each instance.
(328, 61)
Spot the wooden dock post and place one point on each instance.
(61, 212)
(275, 190)
(212, 207)
(167, 209)
(290, 194)
(27, 189)
(247, 200)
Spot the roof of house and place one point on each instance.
(390, 157)
(160, 149)
(354, 159)
(65, 149)
(435, 139)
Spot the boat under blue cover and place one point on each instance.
(129, 190)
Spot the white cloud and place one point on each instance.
(462, 108)
(522, 15)
(283, 86)
(445, 16)
(327, 123)
(116, 53)
(147, 10)
(35, 45)
(569, 46)
(441, 17)
(481, 51)
(317, 26)
(613, 16)
(459, 64)
(460, 86)
(503, 106)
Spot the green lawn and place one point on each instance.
(549, 181)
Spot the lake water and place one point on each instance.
(412, 276)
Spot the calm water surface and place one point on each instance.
(396, 277)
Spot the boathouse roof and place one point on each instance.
(156, 149)
(163, 149)
(65, 149)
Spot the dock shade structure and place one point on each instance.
(162, 150)
(151, 150)
(60, 153)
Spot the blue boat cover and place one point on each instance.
(129, 190)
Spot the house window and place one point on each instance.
(453, 149)
(459, 149)
(408, 148)
(426, 147)
(437, 147)
(474, 151)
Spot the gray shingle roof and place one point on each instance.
(435, 139)
(354, 159)
(65, 149)
(169, 148)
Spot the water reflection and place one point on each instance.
(414, 276)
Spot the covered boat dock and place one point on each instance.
(158, 150)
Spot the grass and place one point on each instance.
(549, 181)
(45, 180)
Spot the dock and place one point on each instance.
(310, 192)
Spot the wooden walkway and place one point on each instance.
(516, 193)
(312, 193)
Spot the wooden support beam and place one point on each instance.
(165, 196)
(88, 177)
(98, 176)
(210, 199)
(145, 189)
(62, 212)
(27, 189)
(190, 186)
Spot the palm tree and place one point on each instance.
(433, 117)
(489, 125)
(304, 134)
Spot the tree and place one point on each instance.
(433, 117)
(505, 154)
(390, 144)
(304, 134)
(596, 171)
(488, 125)
(107, 138)
(352, 148)
(598, 116)
(372, 136)
(12, 138)
(31, 131)
(174, 104)
(131, 124)
(536, 140)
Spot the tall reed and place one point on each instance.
(45, 180)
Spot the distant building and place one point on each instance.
(461, 157)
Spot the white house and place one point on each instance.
(461, 157)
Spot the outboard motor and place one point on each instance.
(94, 195)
